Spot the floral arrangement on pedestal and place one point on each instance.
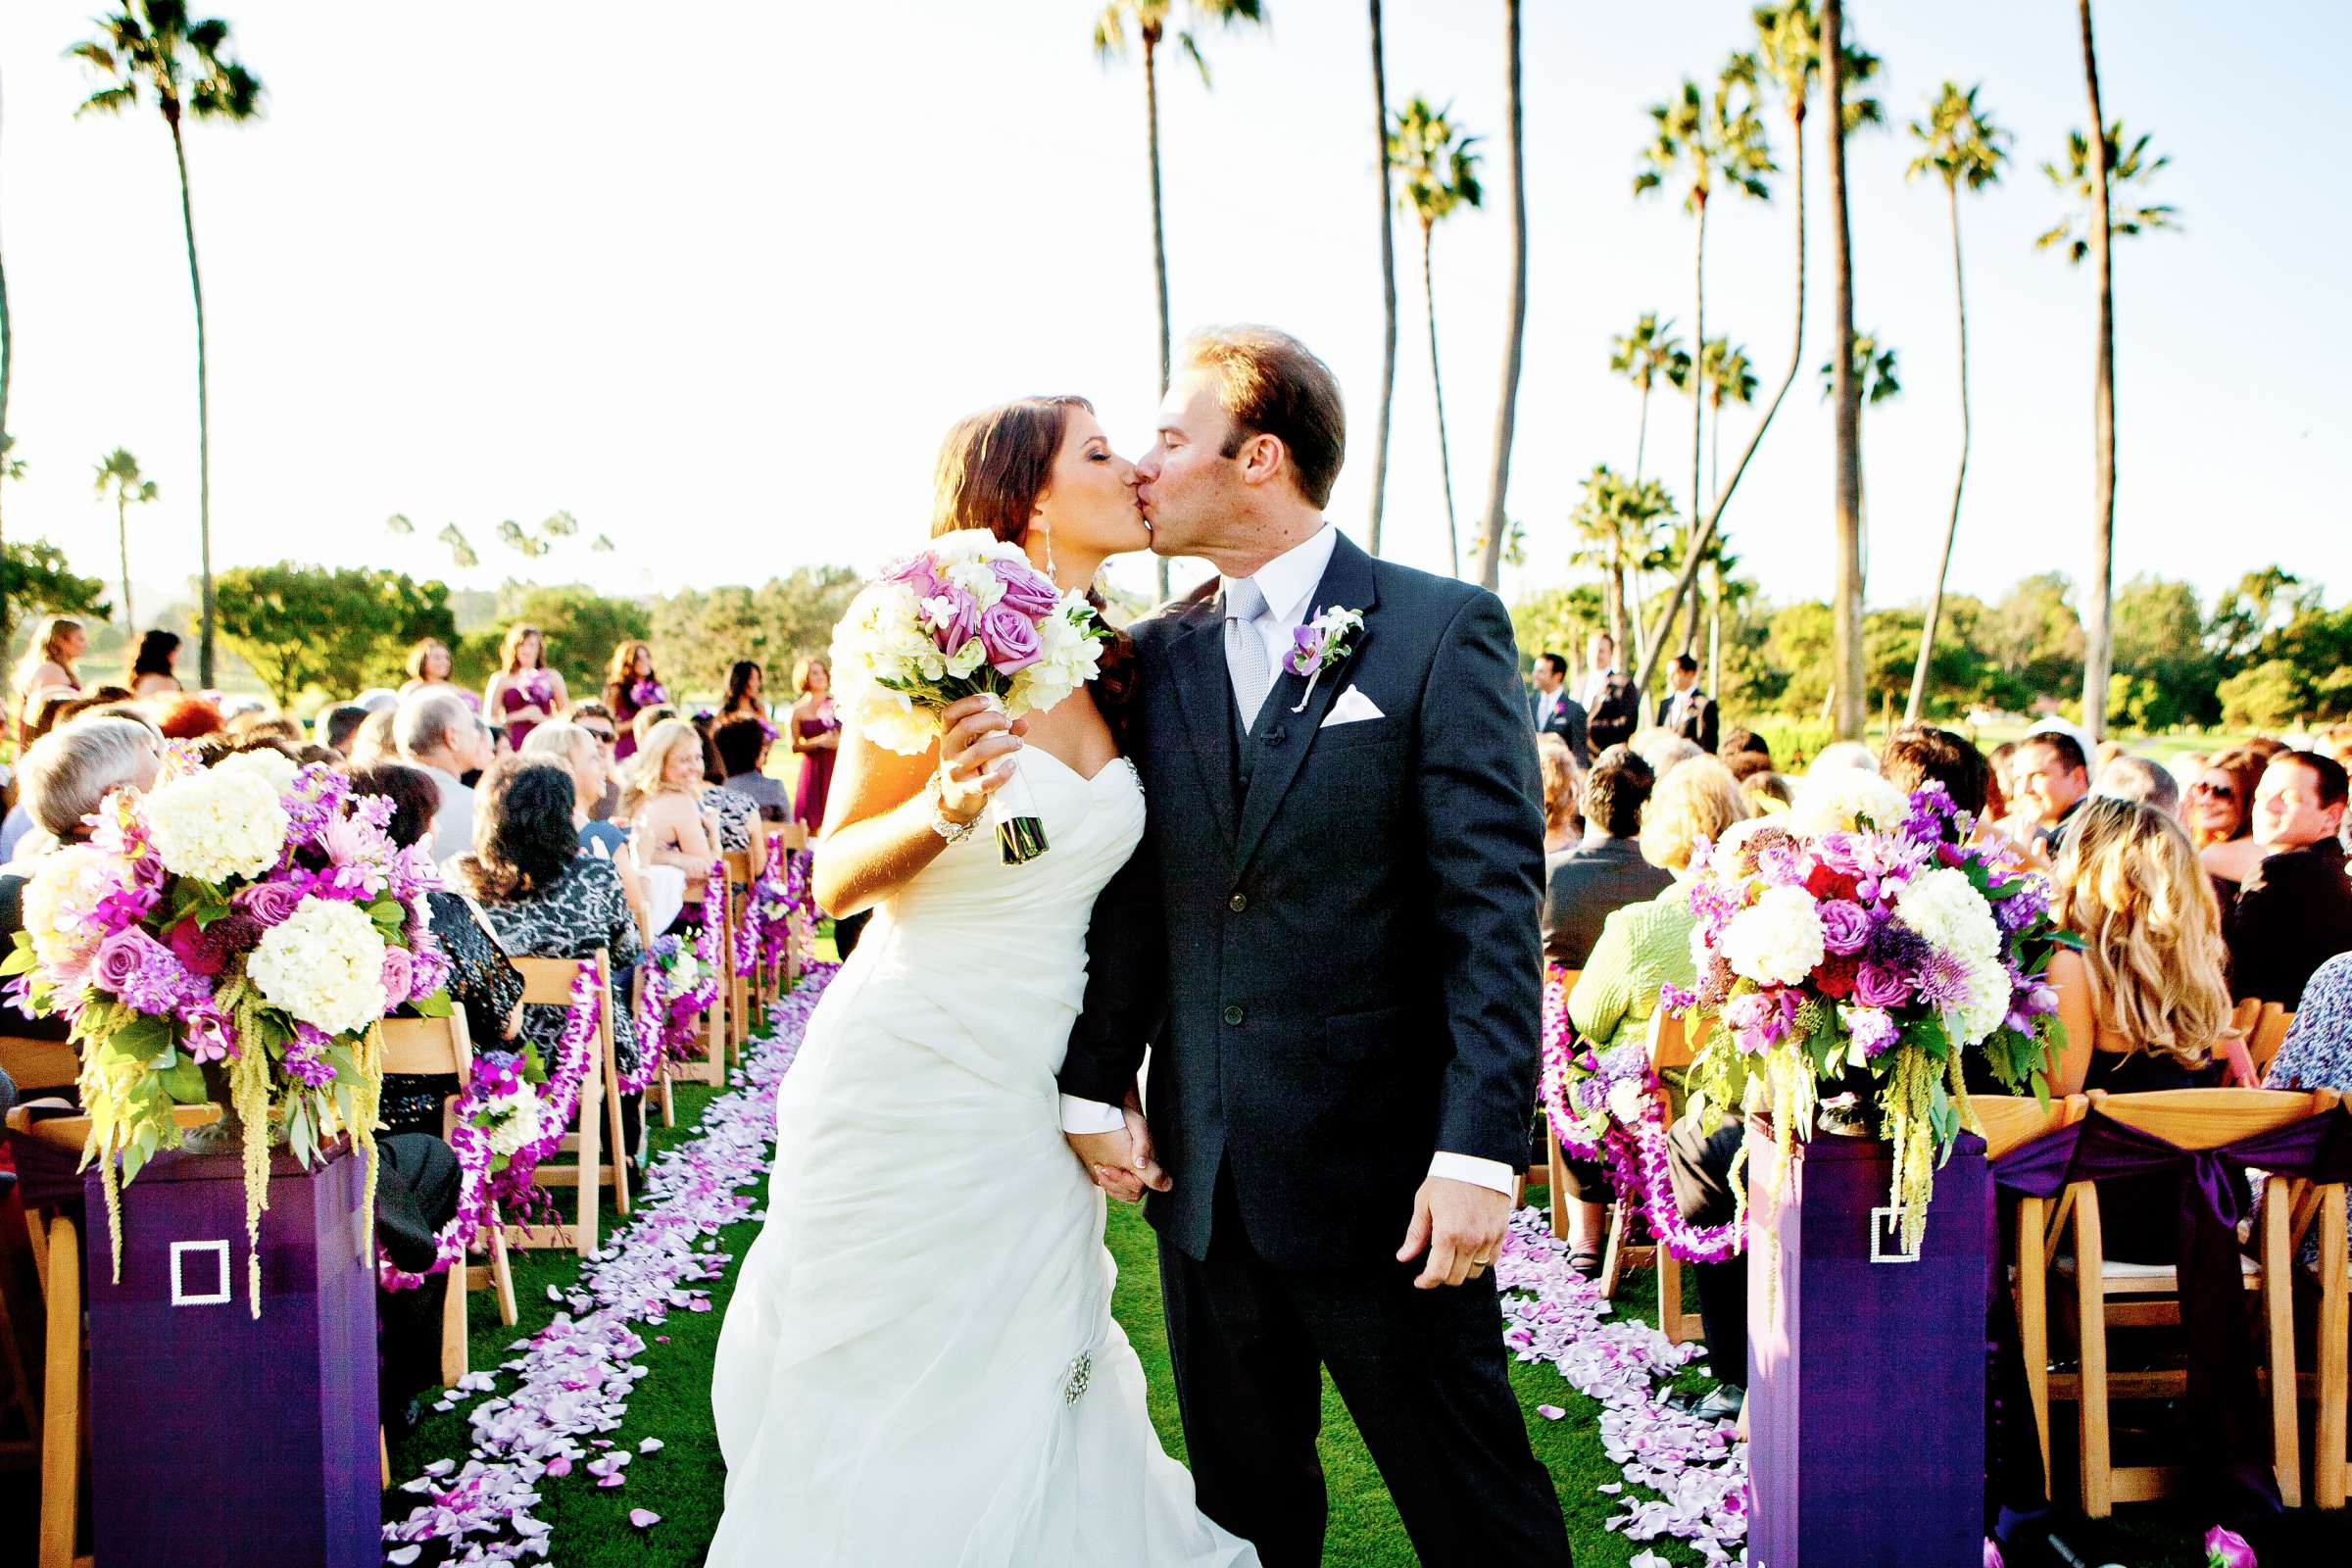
(239, 932)
(782, 913)
(1863, 942)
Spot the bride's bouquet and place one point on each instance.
(968, 617)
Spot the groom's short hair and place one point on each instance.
(1269, 383)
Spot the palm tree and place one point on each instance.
(1437, 167)
(461, 551)
(1506, 406)
(1727, 377)
(1700, 138)
(1150, 18)
(119, 475)
(1849, 711)
(1725, 590)
(1959, 143)
(1618, 520)
(9, 468)
(185, 64)
(1650, 350)
(1874, 375)
(2092, 177)
(1388, 281)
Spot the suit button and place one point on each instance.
(1233, 1017)
(1238, 903)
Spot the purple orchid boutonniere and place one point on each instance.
(1321, 643)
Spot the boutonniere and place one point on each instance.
(1321, 643)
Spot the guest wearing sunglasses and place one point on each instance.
(2221, 818)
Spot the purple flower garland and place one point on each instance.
(483, 1182)
(1636, 1152)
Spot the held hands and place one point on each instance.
(976, 745)
(1462, 1225)
(1124, 1162)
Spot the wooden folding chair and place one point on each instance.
(2111, 1295)
(34, 1066)
(1672, 1047)
(735, 984)
(2011, 1121)
(57, 1252)
(2316, 1213)
(549, 981)
(2266, 1036)
(785, 971)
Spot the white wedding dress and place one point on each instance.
(919, 1365)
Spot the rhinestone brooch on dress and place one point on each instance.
(1074, 1382)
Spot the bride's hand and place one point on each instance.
(976, 743)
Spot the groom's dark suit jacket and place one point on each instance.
(1328, 936)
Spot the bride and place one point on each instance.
(919, 1365)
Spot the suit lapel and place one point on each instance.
(1195, 656)
(1283, 737)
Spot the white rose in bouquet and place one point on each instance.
(217, 824)
(1776, 940)
(324, 964)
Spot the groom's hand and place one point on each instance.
(1460, 1224)
(1120, 1162)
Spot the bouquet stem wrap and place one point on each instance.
(1014, 811)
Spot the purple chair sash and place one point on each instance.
(2223, 1396)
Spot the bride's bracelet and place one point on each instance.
(946, 826)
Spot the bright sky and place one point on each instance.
(716, 279)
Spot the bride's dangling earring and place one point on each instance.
(1047, 530)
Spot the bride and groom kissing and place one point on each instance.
(1324, 929)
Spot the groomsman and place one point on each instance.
(1611, 705)
(1552, 710)
(1685, 709)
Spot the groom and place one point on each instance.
(1329, 936)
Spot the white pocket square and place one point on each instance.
(1353, 708)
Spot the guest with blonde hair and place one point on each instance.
(2220, 816)
(47, 667)
(662, 804)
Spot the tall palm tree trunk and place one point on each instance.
(1705, 536)
(8, 361)
(1951, 529)
(204, 423)
(1850, 709)
(1159, 236)
(1642, 440)
(1506, 406)
(2097, 644)
(1715, 633)
(1436, 384)
(1698, 400)
(1612, 588)
(1387, 283)
(131, 621)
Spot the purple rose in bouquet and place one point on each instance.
(1026, 589)
(1845, 927)
(121, 958)
(916, 573)
(1879, 985)
(399, 976)
(2227, 1548)
(953, 617)
(270, 903)
(1011, 639)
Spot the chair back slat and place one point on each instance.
(428, 1046)
(2208, 1118)
(1670, 1044)
(2267, 1035)
(2011, 1121)
(791, 835)
(548, 981)
(739, 866)
(32, 1065)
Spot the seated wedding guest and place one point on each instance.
(1843, 754)
(1553, 711)
(1663, 749)
(1744, 765)
(2000, 794)
(742, 747)
(1768, 792)
(372, 742)
(1917, 753)
(2053, 776)
(264, 723)
(2145, 1002)
(574, 749)
(1557, 765)
(46, 669)
(339, 723)
(545, 898)
(187, 718)
(737, 815)
(151, 671)
(1743, 742)
(642, 726)
(435, 729)
(2221, 818)
(2294, 911)
(662, 804)
(2135, 778)
(1642, 946)
(596, 720)
(523, 692)
(1604, 871)
(2318, 1050)
(1685, 709)
(481, 982)
(1612, 707)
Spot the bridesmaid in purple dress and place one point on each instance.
(817, 736)
(632, 686)
(525, 693)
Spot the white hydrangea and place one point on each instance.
(324, 964)
(1987, 1003)
(515, 1121)
(1946, 907)
(1776, 940)
(275, 767)
(222, 822)
(58, 900)
(1070, 659)
(1837, 800)
(883, 632)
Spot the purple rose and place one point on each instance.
(962, 619)
(122, 957)
(1845, 927)
(2227, 1548)
(1011, 639)
(400, 976)
(270, 903)
(1879, 985)
(917, 573)
(1026, 589)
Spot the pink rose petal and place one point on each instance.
(644, 1518)
(1549, 1412)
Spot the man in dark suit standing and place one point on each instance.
(1553, 712)
(1685, 709)
(1340, 1121)
(1612, 707)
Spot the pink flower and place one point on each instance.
(208, 1038)
(400, 976)
(120, 958)
(270, 903)
(1880, 985)
(1845, 927)
(1011, 639)
(953, 616)
(918, 573)
(1026, 589)
(2227, 1548)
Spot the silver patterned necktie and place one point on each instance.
(1245, 649)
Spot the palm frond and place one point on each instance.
(398, 523)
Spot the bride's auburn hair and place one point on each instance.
(992, 468)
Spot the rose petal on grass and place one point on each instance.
(1549, 1412)
(644, 1518)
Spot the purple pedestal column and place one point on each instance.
(218, 1437)
(1866, 1379)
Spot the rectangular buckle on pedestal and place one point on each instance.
(1886, 1223)
(219, 1252)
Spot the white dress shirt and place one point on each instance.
(1289, 582)
(1594, 684)
(1548, 705)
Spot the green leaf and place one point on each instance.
(436, 1005)
(19, 959)
(142, 1038)
(183, 1082)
